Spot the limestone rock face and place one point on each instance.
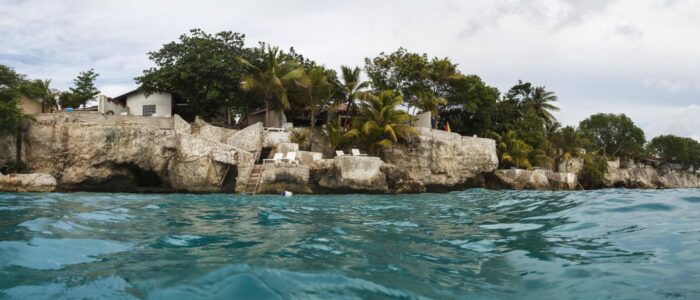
(88, 151)
(248, 139)
(676, 180)
(445, 161)
(35, 182)
(273, 138)
(518, 179)
(214, 133)
(350, 174)
(648, 177)
(572, 165)
(8, 149)
(562, 181)
(280, 177)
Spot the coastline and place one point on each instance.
(97, 153)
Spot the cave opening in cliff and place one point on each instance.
(228, 184)
(124, 177)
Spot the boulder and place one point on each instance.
(562, 181)
(445, 161)
(308, 157)
(34, 182)
(280, 177)
(349, 174)
(273, 138)
(249, 139)
(519, 179)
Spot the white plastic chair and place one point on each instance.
(339, 153)
(275, 158)
(356, 152)
(291, 158)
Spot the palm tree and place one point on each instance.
(540, 100)
(272, 78)
(334, 134)
(428, 101)
(381, 124)
(351, 88)
(512, 150)
(47, 96)
(320, 91)
(569, 141)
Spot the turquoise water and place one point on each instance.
(476, 244)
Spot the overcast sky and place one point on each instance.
(633, 56)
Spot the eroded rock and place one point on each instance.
(34, 182)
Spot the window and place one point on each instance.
(149, 110)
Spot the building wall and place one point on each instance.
(163, 102)
(104, 106)
(276, 119)
(424, 120)
(30, 106)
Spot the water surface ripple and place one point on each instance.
(476, 244)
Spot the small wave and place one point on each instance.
(181, 240)
(643, 207)
(512, 227)
(246, 282)
(54, 254)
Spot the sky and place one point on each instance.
(638, 57)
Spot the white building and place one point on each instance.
(136, 103)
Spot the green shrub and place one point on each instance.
(592, 174)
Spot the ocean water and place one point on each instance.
(475, 244)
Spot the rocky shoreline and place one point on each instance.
(93, 152)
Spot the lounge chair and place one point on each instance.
(356, 152)
(291, 158)
(339, 153)
(275, 158)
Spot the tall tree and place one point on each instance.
(381, 124)
(402, 71)
(10, 113)
(84, 88)
(202, 69)
(271, 77)
(614, 135)
(319, 92)
(540, 100)
(351, 88)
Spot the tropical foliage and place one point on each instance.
(674, 149)
(271, 77)
(381, 124)
(10, 92)
(84, 89)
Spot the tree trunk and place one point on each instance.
(267, 113)
(228, 115)
(18, 146)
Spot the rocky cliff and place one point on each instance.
(648, 177)
(442, 160)
(88, 151)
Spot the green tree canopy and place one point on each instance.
(10, 113)
(381, 124)
(203, 69)
(613, 135)
(272, 76)
(676, 149)
(84, 89)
